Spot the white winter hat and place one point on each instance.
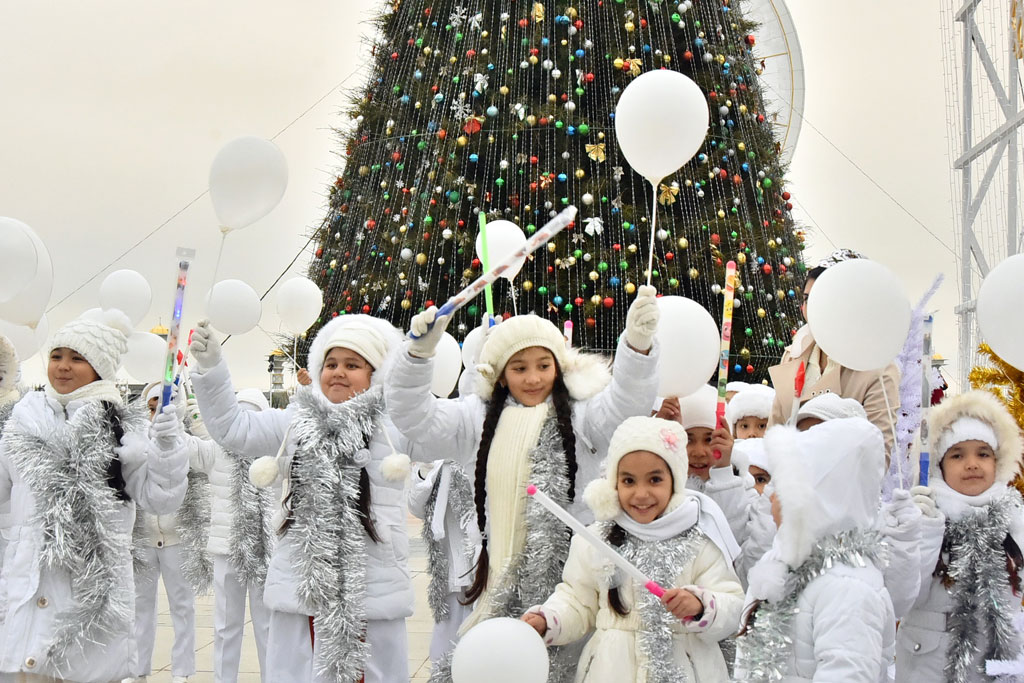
(736, 386)
(101, 340)
(154, 391)
(754, 400)
(362, 339)
(976, 415)
(664, 438)
(253, 397)
(372, 338)
(749, 452)
(830, 406)
(8, 365)
(699, 408)
(512, 336)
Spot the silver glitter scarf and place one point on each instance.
(251, 538)
(981, 611)
(331, 541)
(766, 648)
(533, 573)
(460, 498)
(81, 522)
(662, 561)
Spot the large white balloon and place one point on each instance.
(28, 306)
(998, 302)
(690, 344)
(501, 650)
(127, 291)
(503, 239)
(26, 341)
(859, 314)
(248, 178)
(233, 307)
(447, 366)
(471, 346)
(299, 302)
(145, 358)
(661, 121)
(18, 258)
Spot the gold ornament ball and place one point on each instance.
(593, 275)
(571, 12)
(531, 120)
(630, 288)
(334, 263)
(743, 109)
(631, 249)
(761, 313)
(600, 136)
(402, 229)
(683, 243)
(580, 173)
(741, 258)
(421, 259)
(484, 34)
(452, 59)
(552, 98)
(552, 246)
(742, 146)
(467, 273)
(558, 262)
(596, 300)
(630, 26)
(364, 170)
(527, 285)
(667, 59)
(618, 63)
(427, 51)
(503, 90)
(694, 273)
(462, 141)
(534, 59)
(721, 213)
(780, 294)
(406, 304)
(571, 261)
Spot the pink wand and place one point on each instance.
(723, 360)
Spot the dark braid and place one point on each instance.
(115, 478)
(491, 416)
(363, 506)
(1014, 562)
(616, 537)
(563, 412)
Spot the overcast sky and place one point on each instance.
(113, 110)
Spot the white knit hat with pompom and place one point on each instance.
(101, 340)
(664, 438)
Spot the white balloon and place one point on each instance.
(503, 239)
(18, 258)
(145, 358)
(127, 291)
(998, 299)
(859, 314)
(447, 366)
(233, 307)
(26, 341)
(28, 306)
(471, 346)
(501, 650)
(299, 302)
(661, 121)
(248, 178)
(690, 346)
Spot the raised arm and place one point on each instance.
(154, 464)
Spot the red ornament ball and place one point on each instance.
(608, 302)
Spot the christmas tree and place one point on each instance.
(507, 108)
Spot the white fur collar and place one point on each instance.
(955, 505)
(584, 374)
(101, 390)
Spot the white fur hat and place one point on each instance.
(8, 366)
(101, 341)
(747, 452)
(976, 415)
(830, 406)
(754, 400)
(699, 408)
(372, 338)
(736, 386)
(664, 438)
(253, 397)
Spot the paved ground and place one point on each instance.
(419, 628)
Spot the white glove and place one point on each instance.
(166, 429)
(642, 319)
(925, 500)
(205, 346)
(196, 426)
(426, 337)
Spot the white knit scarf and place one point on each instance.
(101, 390)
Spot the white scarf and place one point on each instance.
(955, 505)
(101, 390)
(697, 509)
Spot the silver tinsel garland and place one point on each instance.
(331, 540)
(766, 648)
(5, 412)
(251, 538)
(982, 611)
(81, 521)
(194, 529)
(531, 576)
(460, 498)
(662, 561)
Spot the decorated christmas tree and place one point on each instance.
(507, 108)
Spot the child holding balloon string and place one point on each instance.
(677, 537)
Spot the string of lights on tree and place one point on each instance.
(508, 108)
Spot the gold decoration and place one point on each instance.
(668, 194)
(538, 12)
(635, 66)
(597, 152)
(1007, 383)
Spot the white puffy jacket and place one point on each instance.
(161, 531)
(30, 595)
(456, 537)
(388, 586)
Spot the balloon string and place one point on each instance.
(654, 225)
(512, 293)
(892, 425)
(220, 252)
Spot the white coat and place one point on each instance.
(161, 531)
(388, 585)
(613, 655)
(31, 596)
(445, 526)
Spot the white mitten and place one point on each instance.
(425, 330)
(166, 429)
(205, 346)
(642, 319)
(925, 500)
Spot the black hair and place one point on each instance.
(616, 537)
(1014, 562)
(563, 414)
(814, 273)
(115, 478)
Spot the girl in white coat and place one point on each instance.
(74, 463)
(338, 583)
(677, 537)
(972, 534)
(817, 609)
(541, 414)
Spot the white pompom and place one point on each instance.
(116, 319)
(263, 472)
(603, 499)
(396, 467)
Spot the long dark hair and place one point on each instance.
(563, 414)
(115, 479)
(616, 537)
(1014, 562)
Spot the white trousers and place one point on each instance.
(446, 633)
(229, 621)
(290, 652)
(166, 563)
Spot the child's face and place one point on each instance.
(644, 485)
(152, 404)
(530, 375)
(68, 370)
(761, 478)
(699, 452)
(776, 509)
(345, 374)
(751, 427)
(806, 423)
(969, 467)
